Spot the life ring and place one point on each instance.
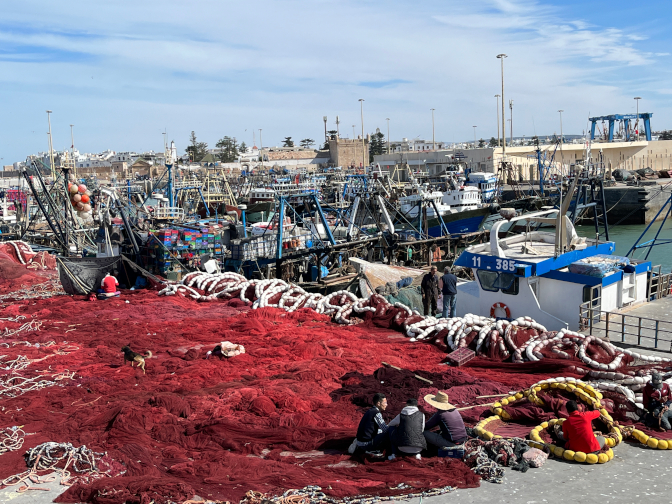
(500, 305)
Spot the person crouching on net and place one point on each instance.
(448, 419)
(372, 433)
(406, 431)
(657, 400)
(577, 430)
(108, 287)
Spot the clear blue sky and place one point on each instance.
(123, 72)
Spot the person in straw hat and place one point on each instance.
(449, 421)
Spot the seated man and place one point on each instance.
(407, 436)
(449, 420)
(108, 287)
(372, 433)
(656, 399)
(577, 430)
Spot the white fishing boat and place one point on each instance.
(547, 275)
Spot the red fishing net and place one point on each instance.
(279, 416)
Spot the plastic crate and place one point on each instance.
(461, 356)
(452, 452)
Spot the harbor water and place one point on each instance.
(626, 236)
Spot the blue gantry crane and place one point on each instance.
(624, 119)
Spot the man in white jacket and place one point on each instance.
(407, 436)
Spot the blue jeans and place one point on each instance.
(449, 302)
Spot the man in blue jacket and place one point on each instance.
(448, 285)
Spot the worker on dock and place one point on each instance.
(577, 430)
(448, 286)
(406, 431)
(430, 291)
(657, 400)
(108, 286)
(372, 433)
(448, 419)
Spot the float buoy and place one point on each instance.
(503, 307)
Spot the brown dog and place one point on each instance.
(131, 356)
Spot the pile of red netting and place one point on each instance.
(22, 268)
(278, 416)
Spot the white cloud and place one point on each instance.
(122, 71)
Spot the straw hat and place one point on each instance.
(439, 401)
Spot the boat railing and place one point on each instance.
(630, 329)
(168, 213)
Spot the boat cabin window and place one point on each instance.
(493, 281)
(488, 279)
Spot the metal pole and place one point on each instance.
(474, 136)
(511, 119)
(361, 109)
(72, 147)
(388, 134)
(66, 202)
(433, 143)
(499, 140)
(637, 98)
(51, 149)
(501, 57)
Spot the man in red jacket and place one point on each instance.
(577, 430)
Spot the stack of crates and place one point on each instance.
(245, 249)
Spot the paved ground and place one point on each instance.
(636, 474)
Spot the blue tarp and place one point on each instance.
(599, 265)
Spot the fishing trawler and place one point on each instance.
(547, 274)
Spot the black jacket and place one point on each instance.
(371, 425)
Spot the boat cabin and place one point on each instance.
(547, 275)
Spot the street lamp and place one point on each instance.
(501, 57)
(474, 136)
(361, 110)
(637, 98)
(324, 118)
(388, 134)
(51, 149)
(499, 140)
(561, 111)
(511, 118)
(433, 143)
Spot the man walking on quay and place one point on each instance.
(448, 285)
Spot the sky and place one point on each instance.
(125, 72)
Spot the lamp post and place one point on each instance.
(388, 134)
(72, 150)
(501, 57)
(325, 128)
(338, 128)
(511, 119)
(353, 132)
(51, 148)
(433, 143)
(361, 110)
(499, 140)
(561, 139)
(474, 136)
(637, 98)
